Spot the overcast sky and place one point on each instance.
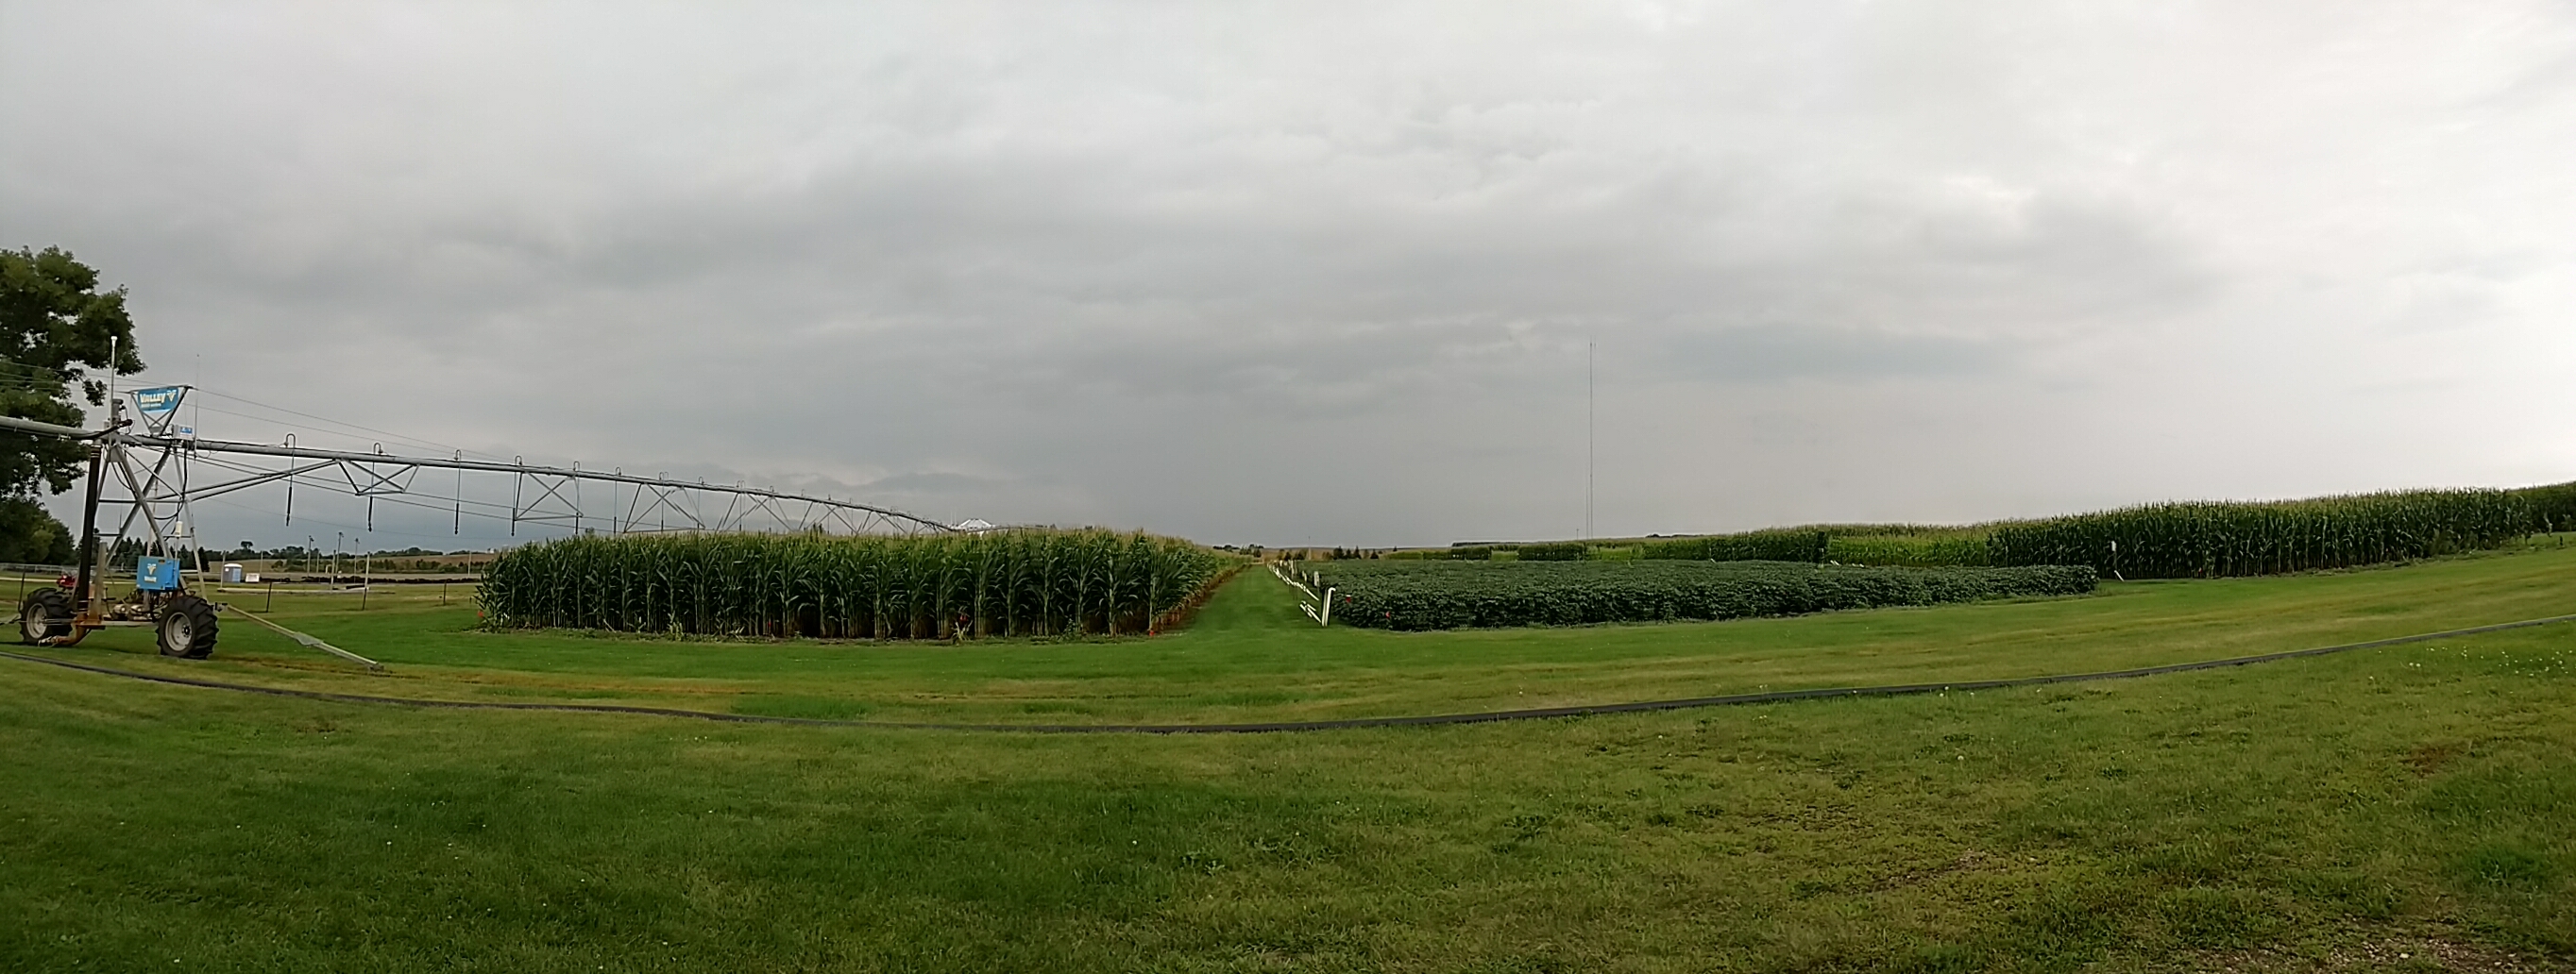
(1318, 273)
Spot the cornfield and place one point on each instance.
(1551, 551)
(1008, 583)
(2212, 540)
(2553, 506)
(1776, 544)
(2177, 540)
(1960, 547)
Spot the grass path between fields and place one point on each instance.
(1253, 657)
(1350, 723)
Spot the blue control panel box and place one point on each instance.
(153, 573)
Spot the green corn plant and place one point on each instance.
(2210, 540)
(1015, 583)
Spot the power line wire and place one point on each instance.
(414, 440)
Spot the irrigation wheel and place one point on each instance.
(187, 628)
(45, 614)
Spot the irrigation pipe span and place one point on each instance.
(1286, 726)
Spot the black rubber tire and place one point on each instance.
(46, 613)
(186, 628)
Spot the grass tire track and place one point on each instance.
(1297, 726)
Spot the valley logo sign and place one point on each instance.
(158, 406)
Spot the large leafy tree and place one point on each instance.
(29, 534)
(59, 334)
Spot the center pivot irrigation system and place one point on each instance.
(146, 471)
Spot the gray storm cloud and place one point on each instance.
(1329, 273)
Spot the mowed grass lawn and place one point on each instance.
(1253, 656)
(2403, 808)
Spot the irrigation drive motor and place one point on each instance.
(183, 622)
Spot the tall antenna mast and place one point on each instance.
(1588, 412)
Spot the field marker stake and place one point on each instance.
(1323, 618)
(1292, 580)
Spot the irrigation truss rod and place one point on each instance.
(549, 494)
(384, 473)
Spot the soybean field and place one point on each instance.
(1417, 595)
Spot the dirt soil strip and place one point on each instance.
(1285, 726)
